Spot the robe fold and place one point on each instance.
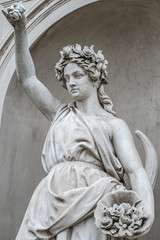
(82, 168)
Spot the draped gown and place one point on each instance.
(82, 167)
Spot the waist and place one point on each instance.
(79, 163)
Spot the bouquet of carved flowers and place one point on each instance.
(119, 214)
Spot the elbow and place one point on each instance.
(138, 176)
(136, 172)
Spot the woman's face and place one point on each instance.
(78, 83)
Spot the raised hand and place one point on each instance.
(26, 74)
(15, 15)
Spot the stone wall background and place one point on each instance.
(128, 33)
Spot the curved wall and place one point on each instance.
(128, 34)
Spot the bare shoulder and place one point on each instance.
(118, 125)
(118, 122)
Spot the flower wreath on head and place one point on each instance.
(94, 63)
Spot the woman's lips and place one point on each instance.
(74, 89)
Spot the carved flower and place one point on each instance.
(135, 212)
(88, 52)
(74, 55)
(77, 48)
(15, 11)
(125, 232)
(114, 230)
(66, 51)
(125, 220)
(107, 223)
(116, 211)
(21, 7)
(58, 67)
(126, 207)
(101, 63)
(99, 56)
(99, 66)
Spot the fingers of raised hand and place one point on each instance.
(7, 16)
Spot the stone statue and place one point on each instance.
(85, 154)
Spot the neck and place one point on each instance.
(89, 105)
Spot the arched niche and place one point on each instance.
(41, 15)
(128, 34)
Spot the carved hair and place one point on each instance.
(93, 63)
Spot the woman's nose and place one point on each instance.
(71, 82)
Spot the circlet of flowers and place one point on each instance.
(122, 220)
(94, 63)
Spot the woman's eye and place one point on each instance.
(78, 75)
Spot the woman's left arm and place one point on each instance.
(126, 151)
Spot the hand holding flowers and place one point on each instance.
(120, 214)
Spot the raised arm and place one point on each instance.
(129, 158)
(38, 93)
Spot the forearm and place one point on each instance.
(24, 63)
(141, 185)
(129, 157)
(38, 93)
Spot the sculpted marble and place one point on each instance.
(86, 153)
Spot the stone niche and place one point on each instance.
(128, 33)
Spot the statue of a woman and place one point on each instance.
(86, 152)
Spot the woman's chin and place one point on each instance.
(77, 97)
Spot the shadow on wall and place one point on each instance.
(128, 34)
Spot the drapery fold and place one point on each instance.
(82, 167)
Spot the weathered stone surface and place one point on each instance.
(119, 110)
